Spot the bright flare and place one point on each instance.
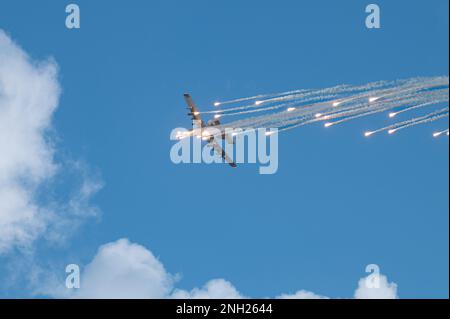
(216, 103)
(290, 109)
(392, 131)
(180, 135)
(373, 99)
(258, 102)
(367, 134)
(337, 103)
(392, 114)
(206, 133)
(217, 116)
(328, 124)
(318, 115)
(436, 134)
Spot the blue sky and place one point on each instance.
(338, 201)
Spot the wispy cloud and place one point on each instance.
(29, 96)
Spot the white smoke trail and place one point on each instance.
(383, 108)
(279, 106)
(256, 97)
(408, 123)
(393, 114)
(338, 104)
(260, 105)
(383, 90)
(437, 134)
(428, 120)
(360, 109)
(264, 99)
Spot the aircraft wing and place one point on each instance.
(222, 153)
(194, 112)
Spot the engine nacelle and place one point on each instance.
(213, 122)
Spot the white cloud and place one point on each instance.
(302, 294)
(125, 270)
(382, 290)
(29, 94)
(213, 289)
(122, 269)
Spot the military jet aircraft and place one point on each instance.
(201, 130)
